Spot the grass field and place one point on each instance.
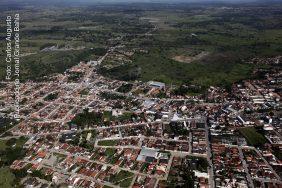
(253, 137)
(107, 143)
(110, 152)
(7, 178)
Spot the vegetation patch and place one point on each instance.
(110, 152)
(253, 137)
(87, 119)
(125, 88)
(222, 69)
(6, 124)
(7, 179)
(51, 96)
(112, 96)
(123, 178)
(10, 150)
(107, 142)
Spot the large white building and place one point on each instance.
(159, 85)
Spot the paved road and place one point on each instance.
(190, 142)
(249, 179)
(269, 180)
(63, 171)
(268, 165)
(209, 158)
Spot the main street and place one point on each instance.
(209, 157)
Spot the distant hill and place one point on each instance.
(81, 2)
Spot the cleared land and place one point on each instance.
(189, 59)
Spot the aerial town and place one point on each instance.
(141, 95)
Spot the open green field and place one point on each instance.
(107, 143)
(253, 137)
(7, 178)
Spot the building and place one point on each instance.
(154, 84)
